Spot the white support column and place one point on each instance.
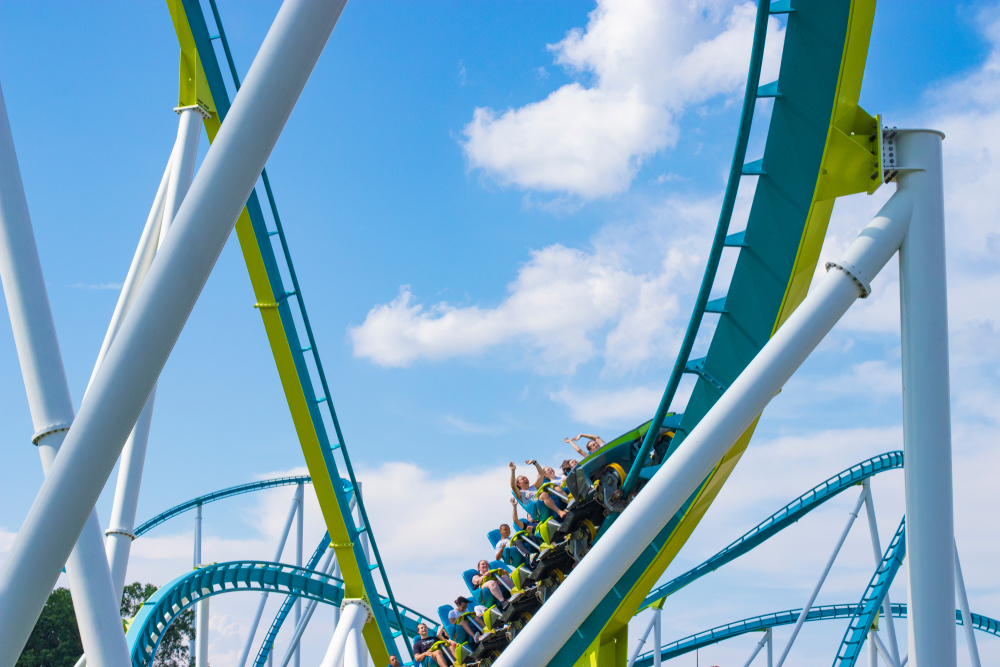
(923, 288)
(642, 641)
(963, 604)
(883, 651)
(770, 647)
(709, 441)
(822, 577)
(292, 513)
(157, 316)
(657, 637)
(763, 641)
(354, 615)
(200, 607)
(872, 649)
(298, 559)
(890, 625)
(173, 188)
(368, 558)
(97, 610)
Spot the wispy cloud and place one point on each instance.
(109, 286)
(463, 426)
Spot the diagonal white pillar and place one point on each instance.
(97, 610)
(709, 441)
(157, 316)
(890, 626)
(354, 615)
(923, 305)
(963, 605)
(177, 180)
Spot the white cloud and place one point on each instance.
(649, 60)
(559, 300)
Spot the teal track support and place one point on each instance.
(718, 243)
(781, 519)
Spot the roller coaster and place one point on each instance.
(580, 567)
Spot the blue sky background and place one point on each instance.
(387, 176)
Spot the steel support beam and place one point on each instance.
(97, 610)
(158, 314)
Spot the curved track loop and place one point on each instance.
(219, 495)
(781, 519)
(760, 623)
(165, 604)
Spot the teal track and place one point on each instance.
(165, 604)
(777, 619)
(220, 495)
(781, 519)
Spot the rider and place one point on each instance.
(526, 492)
(422, 652)
(593, 445)
(492, 585)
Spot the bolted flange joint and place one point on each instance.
(361, 602)
(855, 275)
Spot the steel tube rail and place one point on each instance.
(153, 324)
(97, 610)
(695, 458)
(882, 650)
(822, 577)
(718, 244)
(963, 605)
(923, 305)
(890, 626)
(292, 512)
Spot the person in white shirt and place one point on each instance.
(527, 492)
(504, 538)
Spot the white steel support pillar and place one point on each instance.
(642, 642)
(299, 516)
(97, 610)
(963, 604)
(292, 513)
(355, 649)
(201, 613)
(923, 289)
(764, 641)
(822, 577)
(354, 615)
(657, 637)
(173, 188)
(872, 649)
(770, 647)
(157, 316)
(675, 481)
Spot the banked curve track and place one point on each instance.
(780, 618)
(818, 148)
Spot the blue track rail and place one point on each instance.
(220, 495)
(761, 623)
(156, 614)
(286, 606)
(871, 602)
(781, 519)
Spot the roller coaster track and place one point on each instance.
(760, 623)
(220, 495)
(202, 84)
(815, 110)
(156, 613)
(780, 520)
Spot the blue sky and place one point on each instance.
(499, 214)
